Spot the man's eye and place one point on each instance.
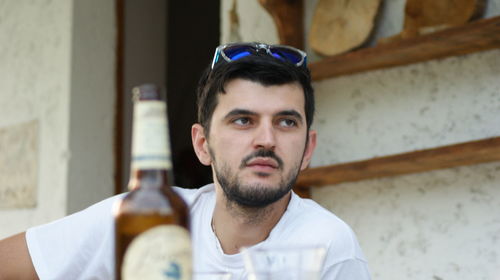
(287, 123)
(241, 121)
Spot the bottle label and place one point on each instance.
(150, 141)
(162, 252)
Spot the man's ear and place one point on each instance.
(308, 152)
(200, 144)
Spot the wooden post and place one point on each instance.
(288, 15)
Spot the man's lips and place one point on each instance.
(263, 163)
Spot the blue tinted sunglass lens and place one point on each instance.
(237, 52)
(240, 55)
(286, 54)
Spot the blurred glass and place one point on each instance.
(291, 263)
(212, 276)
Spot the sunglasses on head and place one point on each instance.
(232, 52)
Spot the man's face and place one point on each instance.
(257, 141)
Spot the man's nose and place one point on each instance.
(265, 137)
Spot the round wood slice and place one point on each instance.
(341, 25)
(424, 16)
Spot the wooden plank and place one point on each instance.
(473, 37)
(288, 16)
(468, 153)
(118, 140)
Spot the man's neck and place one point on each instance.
(237, 226)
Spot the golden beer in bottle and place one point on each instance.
(152, 239)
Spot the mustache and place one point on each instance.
(262, 153)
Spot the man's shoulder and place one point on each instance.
(308, 218)
(190, 196)
(310, 212)
(309, 222)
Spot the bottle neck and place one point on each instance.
(150, 138)
(150, 145)
(149, 179)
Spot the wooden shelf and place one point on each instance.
(474, 37)
(468, 153)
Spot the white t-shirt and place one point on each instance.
(81, 246)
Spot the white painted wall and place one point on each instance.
(436, 225)
(57, 70)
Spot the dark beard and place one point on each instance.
(257, 195)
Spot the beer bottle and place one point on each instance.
(152, 239)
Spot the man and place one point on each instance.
(255, 110)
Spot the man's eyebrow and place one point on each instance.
(244, 112)
(239, 112)
(291, 113)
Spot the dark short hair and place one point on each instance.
(260, 68)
